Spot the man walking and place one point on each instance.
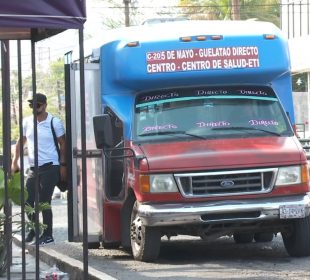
(51, 165)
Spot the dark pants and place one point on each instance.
(48, 178)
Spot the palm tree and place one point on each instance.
(206, 9)
(266, 10)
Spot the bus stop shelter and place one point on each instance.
(34, 20)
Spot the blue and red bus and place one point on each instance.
(194, 136)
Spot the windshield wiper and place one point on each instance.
(246, 128)
(182, 132)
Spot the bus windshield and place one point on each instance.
(210, 113)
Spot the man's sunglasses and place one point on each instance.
(38, 105)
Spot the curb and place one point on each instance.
(66, 264)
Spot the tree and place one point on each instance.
(235, 7)
(206, 9)
(56, 78)
(265, 10)
(50, 82)
(113, 13)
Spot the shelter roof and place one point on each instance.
(39, 19)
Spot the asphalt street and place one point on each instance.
(182, 258)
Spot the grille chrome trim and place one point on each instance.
(239, 182)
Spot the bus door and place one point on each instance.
(94, 158)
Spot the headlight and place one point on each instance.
(158, 183)
(289, 175)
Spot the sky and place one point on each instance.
(98, 12)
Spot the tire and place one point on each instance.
(93, 245)
(242, 238)
(263, 237)
(110, 245)
(145, 241)
(297, 243)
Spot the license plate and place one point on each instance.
(292, 211)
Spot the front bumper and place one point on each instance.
(219, 211)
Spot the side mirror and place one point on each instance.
(103, 131)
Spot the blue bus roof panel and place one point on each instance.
(130, 68)
(168, 62)
(239, 54)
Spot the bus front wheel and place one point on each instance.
(145, 241)
(297, 242)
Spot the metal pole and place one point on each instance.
(67, 67)
(308, 17)
(58, 96)
(127, 16)
(236, 9)
(21, 152)
(300, 19)
(6, 129)
(288, 21)
(293, 19)
(307, 135)
(35, 134)
(84, 170)
(281, 16)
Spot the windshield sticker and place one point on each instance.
(263, 122)
(159, 127)
(226, 123)
(155, 98)
(213, 124)
(202, 59)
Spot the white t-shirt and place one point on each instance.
(47, 151)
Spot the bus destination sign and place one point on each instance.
(202, 59)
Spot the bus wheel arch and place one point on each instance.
(126, 219)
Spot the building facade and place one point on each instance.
(295, 23)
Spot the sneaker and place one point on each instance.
(44, 241)
(30, 236)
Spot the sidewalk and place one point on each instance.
(63, 254)
(30, 267)
(49, 257)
